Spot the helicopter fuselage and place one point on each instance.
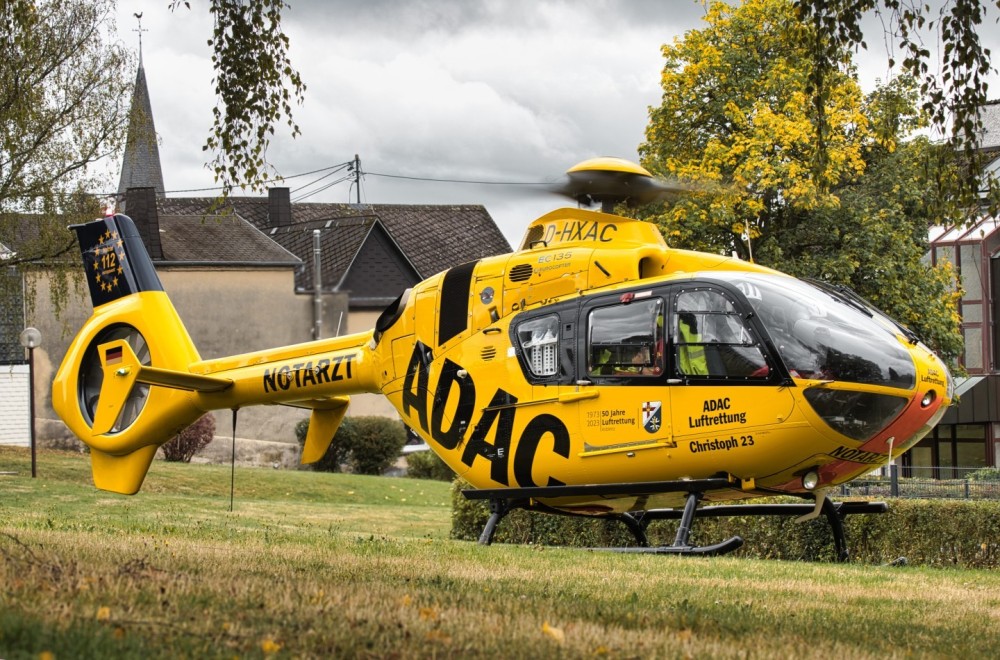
(595, 354)
(498, 366)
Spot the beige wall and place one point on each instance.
(368, 404)
(225, 313)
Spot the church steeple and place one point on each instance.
(141, 164)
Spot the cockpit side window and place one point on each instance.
(539, 341)
(712, 340)
(626, 340)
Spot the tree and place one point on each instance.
(63, 101)
(65, 85)
(952, 90)
(254, 85)
(852, 208)
(63, 108)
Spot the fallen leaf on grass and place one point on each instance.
(428, 614)
(438, 636)
(104, 613)
(269, 646)
(553, 632)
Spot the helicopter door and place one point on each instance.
(727, 395)
(624, 346)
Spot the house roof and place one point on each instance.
(219, 239)
(431, 238)
(340, 241)
(974, 232)
(37, 237)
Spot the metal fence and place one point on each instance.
(965, 483)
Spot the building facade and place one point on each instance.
(968, 436)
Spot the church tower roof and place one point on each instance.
(141, 164)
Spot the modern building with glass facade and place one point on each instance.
(969, 434)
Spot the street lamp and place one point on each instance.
(30, 339)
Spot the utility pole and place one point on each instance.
(357, 177)
(317, 285)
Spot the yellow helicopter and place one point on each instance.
(595, 371)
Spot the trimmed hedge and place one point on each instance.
(961, 533)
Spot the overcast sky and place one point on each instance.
(504, 90)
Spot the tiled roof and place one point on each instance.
(38, 236)
(340, 241)
(222, 239)
(431, 237)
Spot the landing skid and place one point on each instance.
(504, 500)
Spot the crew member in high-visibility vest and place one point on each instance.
(690, 351)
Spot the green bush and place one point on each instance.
(183, 446)
(427, 465)
(376, 444)
(962, 533)
(985, 474)
(364, 445)
(530, 527)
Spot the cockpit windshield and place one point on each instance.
(821, 335)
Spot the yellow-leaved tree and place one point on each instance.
(826, 185)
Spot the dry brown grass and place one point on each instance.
(87, 575)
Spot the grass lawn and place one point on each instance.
(331, 565)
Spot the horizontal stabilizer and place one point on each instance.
(122, 370)
(182, 381)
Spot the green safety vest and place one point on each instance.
(691, 354)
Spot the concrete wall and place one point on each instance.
(57, 331)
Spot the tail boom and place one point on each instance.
(132, 377)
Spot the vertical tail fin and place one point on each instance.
(115, 259)
(112, 408)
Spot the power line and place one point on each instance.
(356, 175)
(328, 174)
(469, 181)
(337, 167)
(319, 190)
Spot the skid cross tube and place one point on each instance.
(504, 500)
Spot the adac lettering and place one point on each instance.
(580, 230)
(715, 411)
(492, 435)
(305, 374)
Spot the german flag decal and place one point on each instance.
(113, 356)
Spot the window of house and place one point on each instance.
(626, 340)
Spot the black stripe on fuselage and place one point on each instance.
(454, 318)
